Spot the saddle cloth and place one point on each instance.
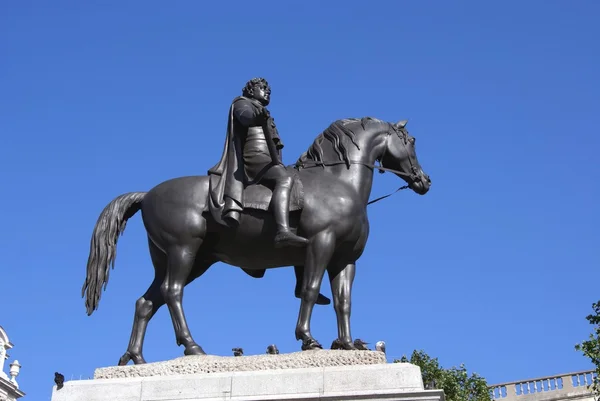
(258, 196)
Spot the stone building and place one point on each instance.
(9, 388)
(568, 386)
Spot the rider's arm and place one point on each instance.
(250, 116)
(270, 133)
(246, 114)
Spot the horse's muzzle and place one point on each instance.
(421, 183)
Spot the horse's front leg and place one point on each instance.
(318, 254)
(341, 279)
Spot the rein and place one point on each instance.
(380, 168)
(388, 195)
(410, 177)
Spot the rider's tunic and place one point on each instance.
(256, 154)
(245, 158)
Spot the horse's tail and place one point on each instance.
(103, 247)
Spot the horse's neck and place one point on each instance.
(360, 175)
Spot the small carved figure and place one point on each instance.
(59, 379)
(380, 346)
(360, 345)
(238, 351)
(272, 349)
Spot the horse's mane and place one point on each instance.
(341, 134)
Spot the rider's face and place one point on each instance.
(262, 93)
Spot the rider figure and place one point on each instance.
(256, 158)
(252, 154)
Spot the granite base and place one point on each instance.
(367, 381)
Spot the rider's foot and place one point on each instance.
(284, 238)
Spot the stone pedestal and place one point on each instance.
(314, 375)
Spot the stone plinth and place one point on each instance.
(220, 364)
(318, 375)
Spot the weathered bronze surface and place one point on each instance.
(253, 212)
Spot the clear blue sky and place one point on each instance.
(497, 266)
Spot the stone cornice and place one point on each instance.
(7, 387)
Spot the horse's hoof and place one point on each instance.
(124, 359)
(128, 356)
(310, 344)
(348, 346)
(342, 345)
(194, 349)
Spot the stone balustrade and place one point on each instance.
(565, 386)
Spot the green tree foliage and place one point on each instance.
(591, 347)
(457, 384)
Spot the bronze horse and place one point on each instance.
(336, 174)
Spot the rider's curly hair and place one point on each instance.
(247, 90)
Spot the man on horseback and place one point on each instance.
(252, 155)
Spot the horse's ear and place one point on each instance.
(401, 124)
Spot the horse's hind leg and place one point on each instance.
(146, 307)
(299, 271)
(180, 263)
(341, 279)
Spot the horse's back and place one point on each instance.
(173, 209)
(189, 189)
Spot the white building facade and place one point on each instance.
(9, 387)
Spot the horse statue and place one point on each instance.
(329, 207)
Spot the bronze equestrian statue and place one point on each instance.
(186, 221)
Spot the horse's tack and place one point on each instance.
(380, 168)
(257, 196)
(388, 195)
(412, 177)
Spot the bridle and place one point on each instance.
(412, 177)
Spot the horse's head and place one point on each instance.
(400, 155)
